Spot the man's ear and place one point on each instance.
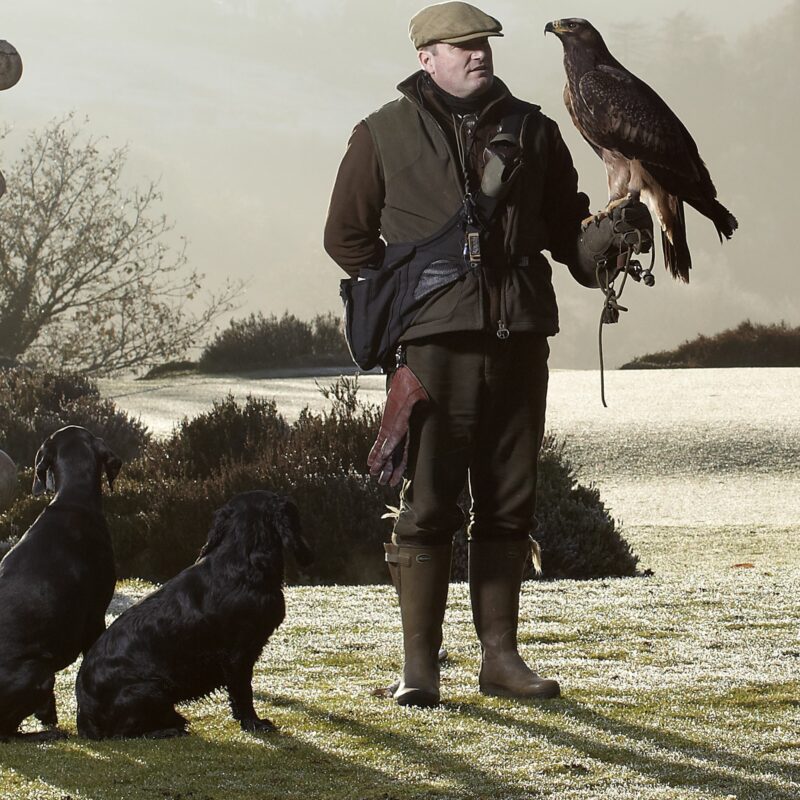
(425, 60)
(41, 464)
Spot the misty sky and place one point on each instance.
(242, 108)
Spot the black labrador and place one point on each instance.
(57, 581)
(203, 629)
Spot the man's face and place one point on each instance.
(463, 70)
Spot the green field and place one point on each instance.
(680, 685)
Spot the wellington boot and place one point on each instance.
(495, 579)
(421, 576)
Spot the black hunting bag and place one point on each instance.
(380, 304)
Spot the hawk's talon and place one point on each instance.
(606, 212)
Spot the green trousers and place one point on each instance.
(484, 425)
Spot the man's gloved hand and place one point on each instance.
(389, 455)
(607, 239)
(633, 223)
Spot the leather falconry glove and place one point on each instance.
(628, 225)
(389, 455)
(634, 225)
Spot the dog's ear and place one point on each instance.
(288, 525)
(41, 465)
(110, 461)
(219, 529)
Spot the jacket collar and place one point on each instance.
(413, 87)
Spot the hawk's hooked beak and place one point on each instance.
(553, 27)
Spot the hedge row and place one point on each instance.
(748, 345)
(35, 404)
(164, 498)
(259, 342)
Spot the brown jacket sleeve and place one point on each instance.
(564, 209)
(352, 228)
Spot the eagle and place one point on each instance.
(646, 149)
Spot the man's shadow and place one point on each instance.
(670, 758)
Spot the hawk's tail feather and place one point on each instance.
(677, 258)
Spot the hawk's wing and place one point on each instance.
(623, 114)
(576, 120)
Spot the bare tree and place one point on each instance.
(87, 281)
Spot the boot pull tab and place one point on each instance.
(394, 556)
(536, 555)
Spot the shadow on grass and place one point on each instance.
(415, 755)
(194, 768)
(278, 765)
(670, 766)
(284, 765)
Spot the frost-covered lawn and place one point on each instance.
(681, 685)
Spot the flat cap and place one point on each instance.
(451, 23)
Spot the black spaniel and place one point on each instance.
(202, 630)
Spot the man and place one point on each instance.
(457, 152)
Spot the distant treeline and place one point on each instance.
(748, 345)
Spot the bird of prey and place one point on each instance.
(646, 149)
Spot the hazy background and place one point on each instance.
(242, 108)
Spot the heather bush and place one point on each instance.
(340, 515)
(161, 509)
(34, 404)
(228, 432)
(237, 447)
(748, 345)
(329, 337)
(259, 342)
(578, 536)
(340, 439)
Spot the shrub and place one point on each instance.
(34, 404)
(578, 537)
(259, 342)
(748, 345)
(338, 440)
(237, 447)
(161, 509)
(229, 432)
(329, 337)
(158, 527)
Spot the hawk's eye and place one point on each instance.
(572, 26)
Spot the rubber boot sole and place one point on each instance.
(547, 692)
(418, 698)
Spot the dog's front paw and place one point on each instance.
(47, 716)
(257, 725)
